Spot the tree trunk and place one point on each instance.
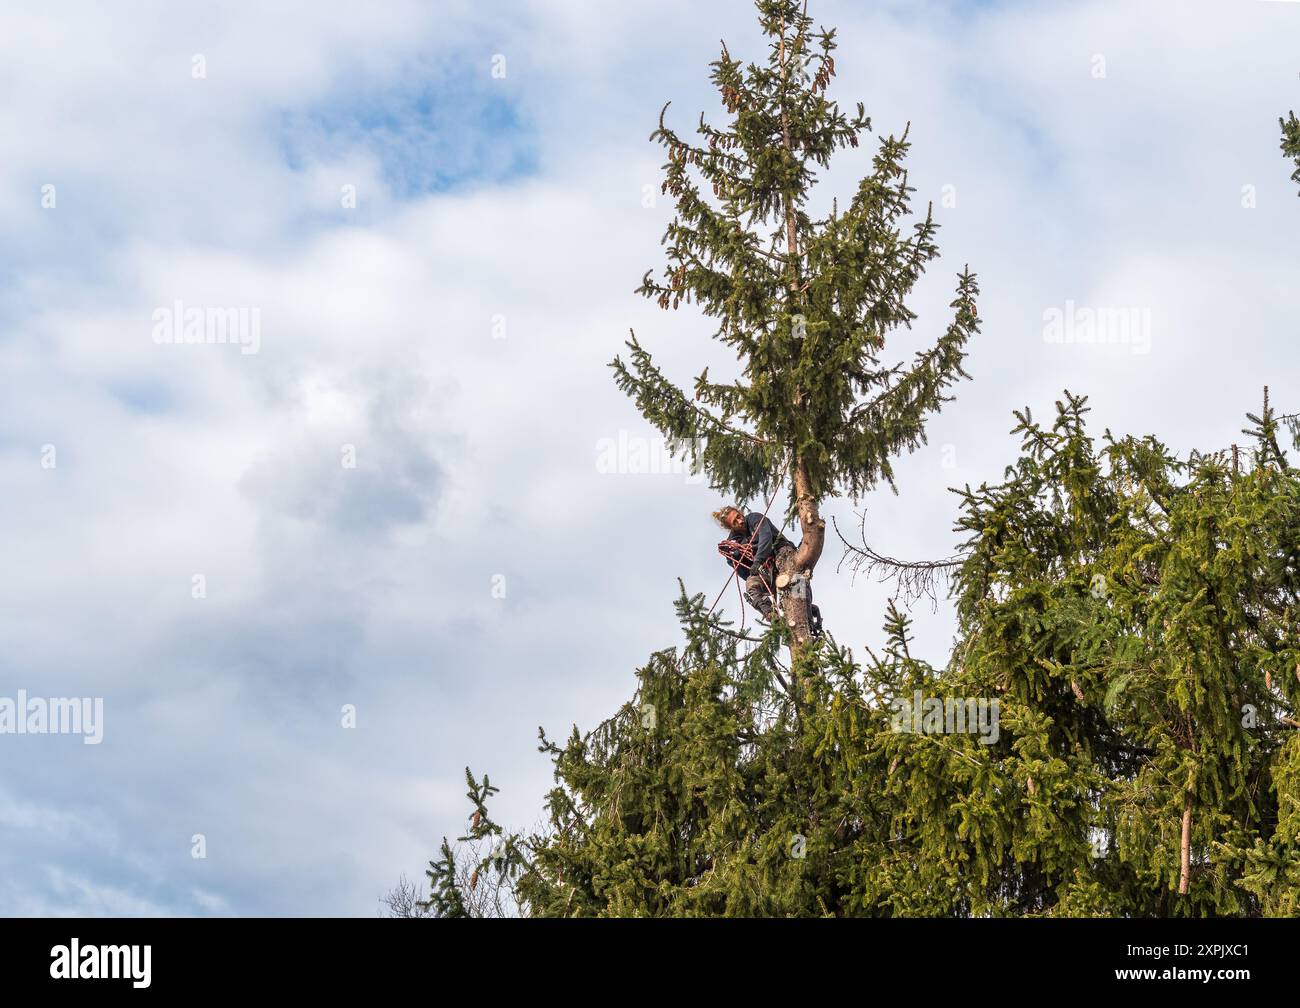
(1185, 873)
(811, 525)
(796, 596)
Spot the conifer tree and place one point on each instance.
(1291, 142)
(1132, 614)
(1134, 617)
(806, 299)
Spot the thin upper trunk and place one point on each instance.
(812, 527)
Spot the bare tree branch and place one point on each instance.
(916, 578)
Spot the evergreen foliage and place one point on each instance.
(1291, 142)
(806, 302)
(1133, 615)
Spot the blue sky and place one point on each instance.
(434, 130)
(450, 334)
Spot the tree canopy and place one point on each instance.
(1126, 616)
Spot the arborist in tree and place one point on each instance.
(758, 552)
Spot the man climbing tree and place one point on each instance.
(805, 299)
(760, 555)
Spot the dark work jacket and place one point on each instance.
(765, 538)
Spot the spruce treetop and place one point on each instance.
(807, 302)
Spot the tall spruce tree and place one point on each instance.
(806, 302)
(1136, 616)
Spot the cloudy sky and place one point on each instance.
(438, 214)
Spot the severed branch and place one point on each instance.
(916, 578)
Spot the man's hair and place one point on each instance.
(720, 515)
